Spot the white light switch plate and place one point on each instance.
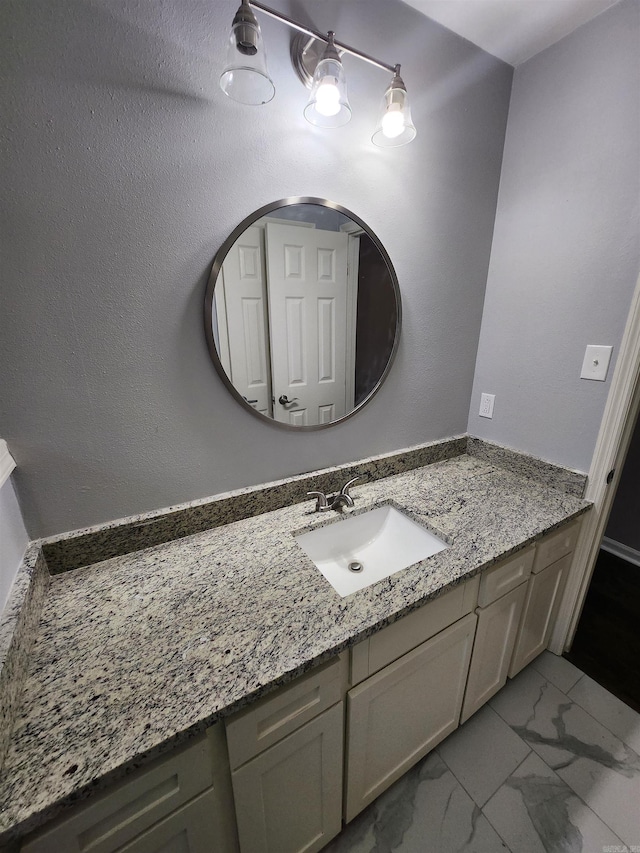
(596, 362)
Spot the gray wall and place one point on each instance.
(565, 256)
(125, 169)
(624, 522)
(13, 539)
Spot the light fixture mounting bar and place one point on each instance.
(394, 69)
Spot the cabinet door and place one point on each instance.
(541, 606)
(495, 638)
(289, 798)
(398, 715)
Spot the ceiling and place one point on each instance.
(513, 30)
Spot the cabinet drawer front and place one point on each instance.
(191, 829)
(289, 798)
(552, 547)
(270, 719)
(415, 628)
(395, 717)
(117, 816)
(506, 576)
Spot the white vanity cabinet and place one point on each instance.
(501, 598)
(286, 755)
(413, 701)
(280, 775)
(401, 713)
(179, 804)
(409, 681)
(544, 594)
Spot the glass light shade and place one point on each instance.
(394, 127)
(328, 104)
(245, 77)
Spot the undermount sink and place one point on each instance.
(363, 549)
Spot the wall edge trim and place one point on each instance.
(7, 463)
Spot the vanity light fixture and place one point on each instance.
(246, 79)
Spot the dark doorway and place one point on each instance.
(607, 642)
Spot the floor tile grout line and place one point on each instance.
(528, 755)
(580, 677)
(582, 800)
(468, 793)
(472, 799)
(569, 788)
(604, 726)
(598, 722)
(519, 764)
(573, 701)
(500, 836)
(450, 769)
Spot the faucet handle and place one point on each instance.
(321, 502)
(345, 489)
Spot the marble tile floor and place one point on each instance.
(549, 765)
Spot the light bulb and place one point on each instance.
(394, 125)
(328, 105)
(393, 122)
(328, 97)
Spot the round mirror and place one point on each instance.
(302, 313)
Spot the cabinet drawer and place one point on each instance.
(191, 829)
(389, 644)
(501, 579)
(113, 819)
(552, 547)
(270, 719)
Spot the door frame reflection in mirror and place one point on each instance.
(216, 276)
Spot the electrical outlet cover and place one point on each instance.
(486, 405)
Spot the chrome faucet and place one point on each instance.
(341, 498)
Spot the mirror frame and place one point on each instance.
(209, 296)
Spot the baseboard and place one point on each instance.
(622, 551)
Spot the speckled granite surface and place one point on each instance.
(572, 482)
(124, 536)
(137, 653)
(84, 547)
(18, 628)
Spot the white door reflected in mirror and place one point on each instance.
(312, 349)
(302, 313)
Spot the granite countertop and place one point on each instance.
(139, 652)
